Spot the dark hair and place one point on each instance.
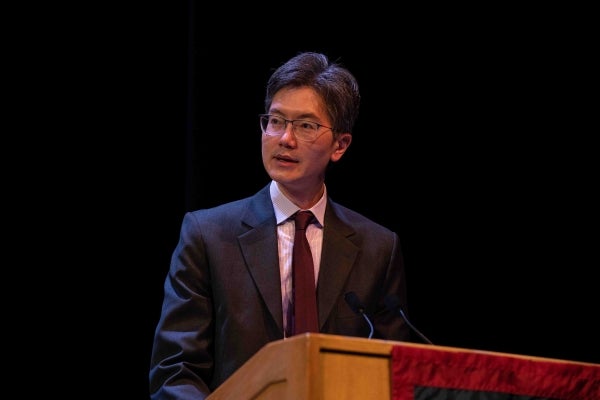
(334, 83)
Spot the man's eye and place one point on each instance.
(308, 126)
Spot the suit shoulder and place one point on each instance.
(251, 208)
(357, 220)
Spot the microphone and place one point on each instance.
(392, 302)
(356, 306)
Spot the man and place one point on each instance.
(229, 288)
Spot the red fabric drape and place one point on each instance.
(471, 370)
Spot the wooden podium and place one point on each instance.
(325, 367)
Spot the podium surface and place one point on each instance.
(324, 367)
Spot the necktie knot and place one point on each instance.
(303, 219)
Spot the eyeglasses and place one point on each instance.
(274, 125)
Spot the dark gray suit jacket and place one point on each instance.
(223, 298)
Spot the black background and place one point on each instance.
(470, 144)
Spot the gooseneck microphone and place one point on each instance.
(356, 306)
(392, 302)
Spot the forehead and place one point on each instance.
(298, 102)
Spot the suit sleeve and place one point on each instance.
(181, 363)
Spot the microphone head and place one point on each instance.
(356, 306)
(354, 302)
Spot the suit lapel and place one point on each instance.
(337, 258)
(259, 247)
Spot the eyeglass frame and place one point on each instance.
(290, 121)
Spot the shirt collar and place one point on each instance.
(284, 208)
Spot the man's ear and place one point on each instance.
(342, 142)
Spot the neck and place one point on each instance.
(303, 197)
